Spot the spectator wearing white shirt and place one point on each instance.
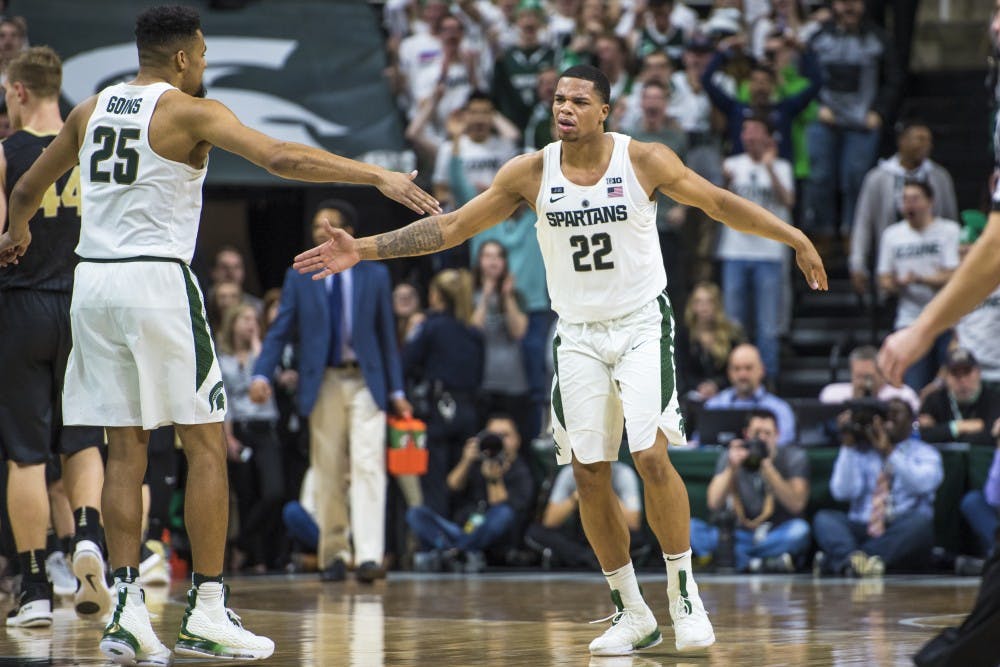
(450, 68)
(752, 265)
(881, 197)
(482, 152)
(867, 381)
(917, 256)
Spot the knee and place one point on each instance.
(970, 501)
(798, 531)
(502, 513)
(418, 514)
(592, 479)
(652, 465)
(823, 520)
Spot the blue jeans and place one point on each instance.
(791, 537)
(839, 158)
(436, 532)
(300, 525)
(534, 345)
(908, 539)
(925, 369)
(983, 517)
(743, 278)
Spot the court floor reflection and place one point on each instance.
(541, 619)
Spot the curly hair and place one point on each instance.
(158, 30)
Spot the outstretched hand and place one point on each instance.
(400, 187)
(811, 266)
(900, 350)
(333, 256)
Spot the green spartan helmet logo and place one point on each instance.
(217, 398)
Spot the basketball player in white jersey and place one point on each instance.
(142, 354)
(613, 350)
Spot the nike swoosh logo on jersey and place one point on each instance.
(553, 200)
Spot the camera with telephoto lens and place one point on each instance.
(490, 445)
(863, 413)
(757, 451)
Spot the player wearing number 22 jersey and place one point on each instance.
(613, 350)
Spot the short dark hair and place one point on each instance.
(760, 413)
(762, 118)
(501, 416)
(907, 124)
(592, 74)
(923, 185)
(159, 30)
(761, 66)
(478, 96)
(346, 210)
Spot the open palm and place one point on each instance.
(335, 255)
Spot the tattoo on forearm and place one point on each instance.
(420, 238)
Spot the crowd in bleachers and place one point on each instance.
(783, 102)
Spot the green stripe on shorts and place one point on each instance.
(557, 405)
(667, 380)
(204, 355)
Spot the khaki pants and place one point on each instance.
(347, 451)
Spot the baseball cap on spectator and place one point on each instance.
(961, 360)
(973, 224)
(700, 43)
(530, 6)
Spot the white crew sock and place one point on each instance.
(210, 598)
(680, 580)
(623, 580)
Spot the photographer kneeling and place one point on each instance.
(889, 477)
(493, 489)
(766, 490)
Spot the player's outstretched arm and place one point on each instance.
(668, 174)
(56, 160)
(425, 236)
(213, 122)
(975, 278)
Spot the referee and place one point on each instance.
(35, 298)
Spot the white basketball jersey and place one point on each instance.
(600, 246)
(135, 202)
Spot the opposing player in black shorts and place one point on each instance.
(34, 301)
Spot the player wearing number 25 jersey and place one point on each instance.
(142, 354)
(141, 215)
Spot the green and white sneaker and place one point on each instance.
(213, 630)
(692, 629)
(129, 638)
(630, 631)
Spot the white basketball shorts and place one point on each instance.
(142, 351)
(611, 373)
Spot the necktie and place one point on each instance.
(336, 301)
(880, 503)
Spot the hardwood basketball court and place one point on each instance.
(541, 619)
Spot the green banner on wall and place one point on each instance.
(302, 71)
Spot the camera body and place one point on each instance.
(863, 413)
(757, 451)
(490, 446)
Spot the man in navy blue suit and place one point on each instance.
(349, 376)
